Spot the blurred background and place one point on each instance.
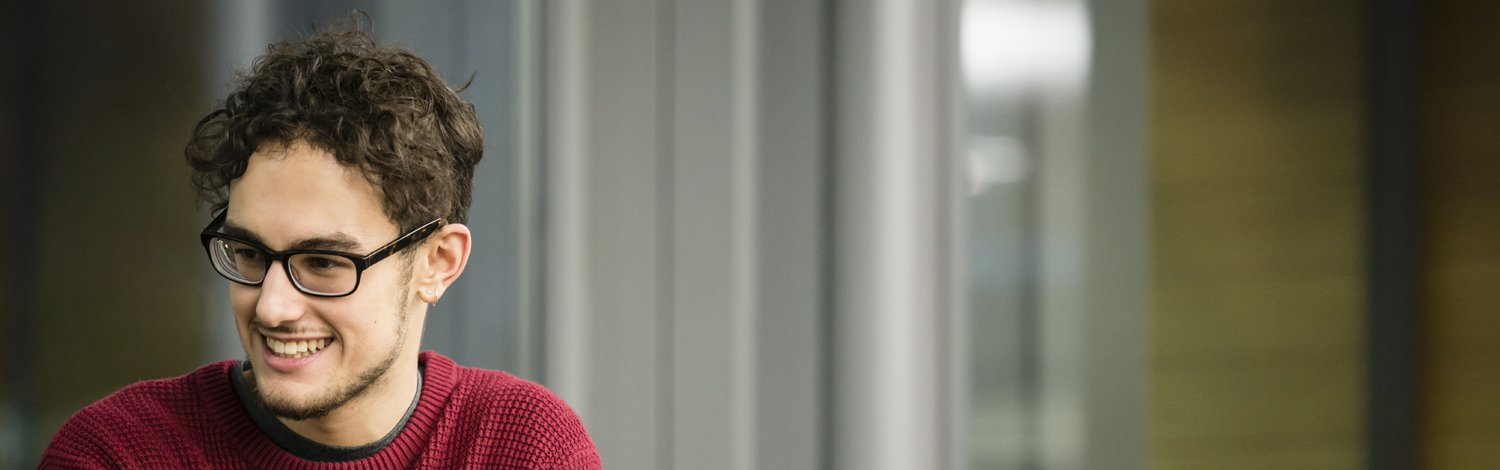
(882, 234)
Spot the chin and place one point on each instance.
(287, 397)
(294, 402)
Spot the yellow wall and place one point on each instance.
(1258, 226)
(1461, 228)
(117, 291)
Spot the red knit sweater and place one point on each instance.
(466, 418)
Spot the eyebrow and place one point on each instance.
(337, 241)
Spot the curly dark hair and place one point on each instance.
(382, 110)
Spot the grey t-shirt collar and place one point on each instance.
(307, 448)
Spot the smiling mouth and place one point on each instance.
(296, 349)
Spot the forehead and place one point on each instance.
(299, 191)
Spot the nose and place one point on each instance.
(279, 302)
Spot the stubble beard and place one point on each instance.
(286, 408)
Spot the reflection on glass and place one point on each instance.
(1016, 54)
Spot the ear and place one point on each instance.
(446, 253)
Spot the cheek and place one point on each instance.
(359, 320)
(369, 327)
(369, 319)
(242, 300)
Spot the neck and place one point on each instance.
(368, 417)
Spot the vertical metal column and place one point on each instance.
(608, 291)
(791, 223)
(711, 190)
(1114, 201)
(22, 193)
(567, 280)
(241, 32)
(891, 240)
(1393, 440)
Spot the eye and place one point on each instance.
(319, 262)
(248, 254)
(322, 265)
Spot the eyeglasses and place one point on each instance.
(321, 273)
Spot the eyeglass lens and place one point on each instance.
(311, 272)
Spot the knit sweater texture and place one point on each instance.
(466, 418)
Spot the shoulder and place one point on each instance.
(149, 402)
(524, 414)
(151, 410)
(502, 389)
(516, 401)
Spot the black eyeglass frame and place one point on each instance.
(361, 263)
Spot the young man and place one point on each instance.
(341, 174)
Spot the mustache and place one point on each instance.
(287, 329)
